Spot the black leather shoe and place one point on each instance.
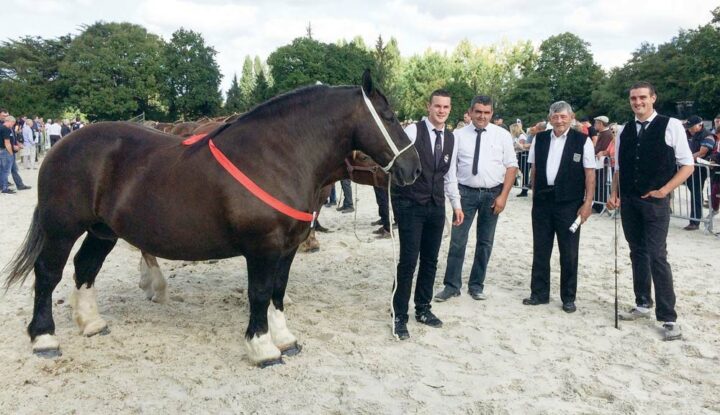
(376, 223)
(400, 328)
(23, 187)
(569, 307)
(428, 318)
(9, 192)
(320, 228)
(534, 301)
(446, 294)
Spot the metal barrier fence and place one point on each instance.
(687, 200)
(522, 181)
(603, 184)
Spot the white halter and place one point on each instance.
(384, 132)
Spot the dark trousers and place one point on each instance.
(347, 193)
(645, 224)
(420, 229)
(381, 198)
(15, 175)
(54, 139)
(696, 184)
(332, 199)
(550, 219)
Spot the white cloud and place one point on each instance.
(236, 28)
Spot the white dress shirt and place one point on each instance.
(451, 186)
(54, 129)
(675, 137)
(497, 154)
(557, 146)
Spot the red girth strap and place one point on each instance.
(249, 184)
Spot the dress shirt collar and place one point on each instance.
(561, 136)
(649, 120)
(431, 127)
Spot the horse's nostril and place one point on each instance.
(417, 172)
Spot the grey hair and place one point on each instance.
(560, 106)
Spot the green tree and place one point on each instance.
(306, 61)
(566, 62)
(247, 85)
(233, 102)
(192, 76)
(386, 72)
(262, 90)
(29, 75)
(111, 71)
(529, 99)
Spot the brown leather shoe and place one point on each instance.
(692, 227)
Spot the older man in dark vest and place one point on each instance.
(648, 150)
(421, 213)
(563, 174)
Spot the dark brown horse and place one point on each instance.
(119, 180)
(359, 167)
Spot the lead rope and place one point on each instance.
(395, 265)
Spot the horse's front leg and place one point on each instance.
(281, 336)
(261, 276)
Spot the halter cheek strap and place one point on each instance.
(383, 130)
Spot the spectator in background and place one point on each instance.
(604, 143)
(65, 128)
(77, 124)
(522, 145)
(54, 132)
(588, 128)
(27, 153)
(500, 122)
(716, 125)
(702, 144)
(347, 205)
(7, 137)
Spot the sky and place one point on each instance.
(614, 28)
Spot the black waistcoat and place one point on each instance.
(430, 186)
(570, 179)
(647, 163)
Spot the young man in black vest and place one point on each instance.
(563, 172)
(648, 150)
(420, 212)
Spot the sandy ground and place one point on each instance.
(494, 356)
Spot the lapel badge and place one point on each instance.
(446, 158)
(576, 157)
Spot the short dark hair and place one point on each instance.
(4, 110)
(717, 116)
(482, 100)
(644, 84)
(439, 93)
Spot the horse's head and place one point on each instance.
(380, 135)
(362, 169)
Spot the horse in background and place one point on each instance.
(120, 180)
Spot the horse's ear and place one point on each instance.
(367, 84)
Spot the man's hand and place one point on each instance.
(613, 202)
(458, 217)
(657, 194)
(584, 212)
(499, 204)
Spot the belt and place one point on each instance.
(483, 189)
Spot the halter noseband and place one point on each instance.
(384, 132)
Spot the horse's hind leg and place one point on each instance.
(281, 336)
(48, 273)
(261, 276)
(88, 261)
(152, 280)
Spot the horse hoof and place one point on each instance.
(293, 350)
(272, 362)
(99, 328)
(48, 353)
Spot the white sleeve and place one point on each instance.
(451, 184)
(675, 137)
(531, 154)
(411, 131)
(589, 161)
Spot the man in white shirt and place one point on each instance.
(486, 168)
(54, 132)
(420, 210)
(645, 176)
(563, 175)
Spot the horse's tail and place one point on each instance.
(24, 260)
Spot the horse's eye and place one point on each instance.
(388, 115)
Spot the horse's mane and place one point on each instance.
(269, 109)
